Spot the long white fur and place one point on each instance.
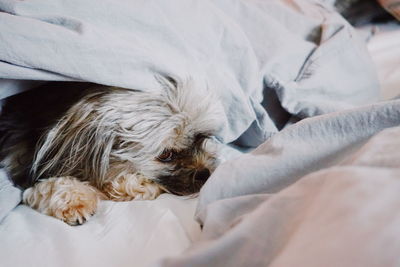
(111, 139)
(143, 123)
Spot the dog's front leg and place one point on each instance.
(65, 198)
(131, 186)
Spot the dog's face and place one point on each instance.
(183, 164)
(165, 136)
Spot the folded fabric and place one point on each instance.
(288, 50)
(320, 193)
(307, 146)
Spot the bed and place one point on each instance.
(311, 173)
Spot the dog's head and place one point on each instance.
(166, 136)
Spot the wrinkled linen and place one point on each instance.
(256, 211)
(131, 233)
(241, 50)
(323, 192)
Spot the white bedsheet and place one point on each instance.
(121, 234)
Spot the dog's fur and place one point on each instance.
(111, 143)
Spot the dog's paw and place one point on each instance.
(131, 187)
(65, 198)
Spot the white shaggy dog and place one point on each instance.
(117, 144)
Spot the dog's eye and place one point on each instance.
(201, 137)
(166, 156)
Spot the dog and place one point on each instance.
(110, 143)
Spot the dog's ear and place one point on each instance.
(199, 104)
(78, 145)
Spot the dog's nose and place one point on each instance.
(202, 175)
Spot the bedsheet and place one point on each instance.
(120, 234)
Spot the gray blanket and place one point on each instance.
(301, 55)
(342, 212)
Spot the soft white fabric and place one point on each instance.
(304, 147)
(121, 234)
